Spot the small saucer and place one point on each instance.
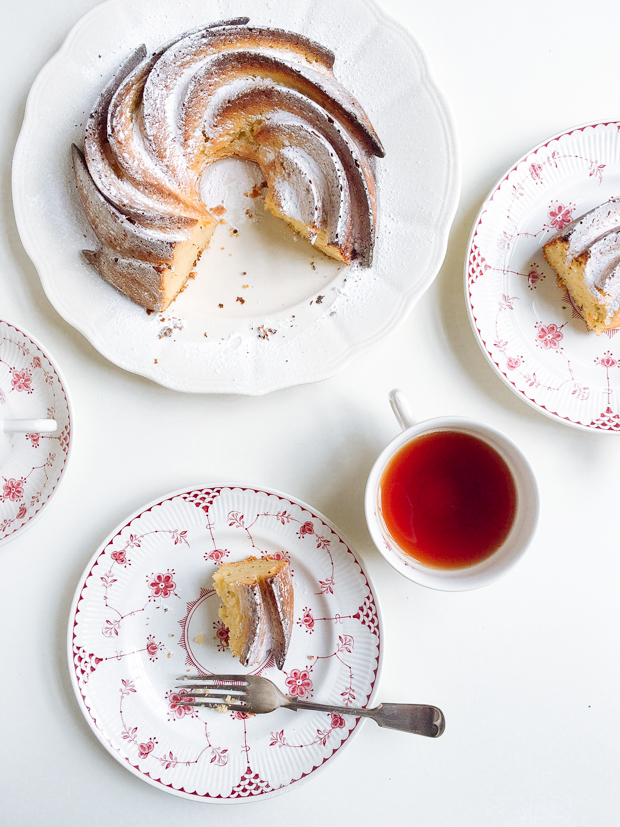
(31, 465)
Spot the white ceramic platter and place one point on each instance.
(526, 325)
(31, 465)
(265, 311)
(145, 613)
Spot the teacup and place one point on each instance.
(520, 503)
(9, 426)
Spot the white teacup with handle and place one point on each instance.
(9, 427)
(524, 504)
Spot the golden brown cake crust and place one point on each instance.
(227, 89)
(257, 607)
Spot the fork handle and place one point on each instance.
(421, 719)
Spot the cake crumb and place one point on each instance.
(312, 265)
(245, 286)
(149, 312)
(265, 332)
(169, 654)
(220, 306)
(257, 191)
(319, 299)
(221, 708)
(219, 210)
(240, 299)
(233, 232)
(154, 361)
(199, 639)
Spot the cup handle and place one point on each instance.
(28, 426)
(401, 409)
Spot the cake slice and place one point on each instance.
(585, 256)
(257, 608)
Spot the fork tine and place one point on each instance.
(241, 679)
(220, 692)
(214, 705)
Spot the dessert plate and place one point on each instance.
(31, 465)
(145, 612)
(264, 311)
(527, 326)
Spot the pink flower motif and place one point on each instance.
(217, 555)
(533, 277)
(338, 721)
(279, 555)
(307, 528)
(560, 215)
(119, 557)
(536, 172)
(222, 635)
(145, 749)
(306, 620)
(13, 490)
(549, 336)
(175, 699)
(299, 683)
(35, 439)
(152, 647)
(240, 716)
(513, 362)
(162, 585)
(36, 362)
(606, 361)
(21, 513)
(22, 380)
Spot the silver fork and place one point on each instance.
(256, 695)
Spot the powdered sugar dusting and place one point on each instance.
(323, 313)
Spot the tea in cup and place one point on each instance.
(451, 503)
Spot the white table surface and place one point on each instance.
(526, 670)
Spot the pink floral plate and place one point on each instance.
(145, 612)
(31, 465)
(527, 326)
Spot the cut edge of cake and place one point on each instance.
(257, 608)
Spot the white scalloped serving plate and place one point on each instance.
(527, 326)
(145, 613)
(264, 312)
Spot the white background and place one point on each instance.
(525, 670)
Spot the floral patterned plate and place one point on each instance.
(31, 465)
(145, 612)
(527, 326)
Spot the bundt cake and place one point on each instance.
(257, 608)
(585, 256)
(227, 89)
